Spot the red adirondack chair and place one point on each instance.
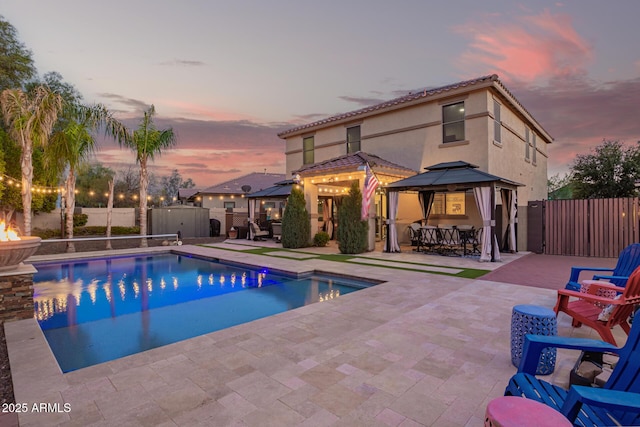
(589, 306)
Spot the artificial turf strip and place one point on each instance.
(467, 273)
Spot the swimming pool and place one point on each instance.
(93, 311)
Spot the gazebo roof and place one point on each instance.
(280, 190)
(459, 175)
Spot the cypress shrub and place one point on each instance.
(296, 228)
(352, 230)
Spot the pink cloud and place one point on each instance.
(528, 48)
(208, 151)
(201, 112)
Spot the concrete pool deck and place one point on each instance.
(420, 349)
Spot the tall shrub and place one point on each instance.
(352, 230)
(296, 228)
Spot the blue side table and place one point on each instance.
(536, 320)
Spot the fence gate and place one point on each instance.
(589, 227)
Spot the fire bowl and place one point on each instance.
(13, 252)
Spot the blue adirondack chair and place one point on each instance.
(628, 260)
(618, 400)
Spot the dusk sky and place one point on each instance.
(228, 76)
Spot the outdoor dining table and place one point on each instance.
(448, 239)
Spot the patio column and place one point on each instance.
(311, 200)
(372, 224)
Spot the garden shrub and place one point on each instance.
(321, 239)
(96, 230)
(296, 228)
(80, 220)
(352, 230)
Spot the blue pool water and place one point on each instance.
(93, 311)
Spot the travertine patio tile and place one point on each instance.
(115, 404)
(262, 390)
(236, 405)
(390, 418)
(322, 418)
(308, 363)
(292, 382)
(418, 350)
(276, 415)
(338, 400)
(176, 400)
(270, 363)
(44, 419)
(460, 410)
(371, 363)
(426, 385)
(408, 422)
(133, 376)
(83, 414)
(419, 409)
(392, 381)
(322, 376)
(236, 359)
(300, 396)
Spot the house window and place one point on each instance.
(527, 156)
(533, 158)
(453, 122)
(497, 125)
(448, 204)
(229, 205)
(353, 139)
(307, 150)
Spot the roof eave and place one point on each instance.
(452, 92)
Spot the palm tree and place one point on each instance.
(30, 118)
(73, 143)
(146, 143)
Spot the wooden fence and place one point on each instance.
(591, 227)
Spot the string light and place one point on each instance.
(12, 182)
(40, 189)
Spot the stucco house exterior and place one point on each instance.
(477, 121)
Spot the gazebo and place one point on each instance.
(280, 190)
(459, 176)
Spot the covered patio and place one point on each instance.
(277, 193)
(325, 183)
(460, 177)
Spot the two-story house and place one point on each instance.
(476, 121)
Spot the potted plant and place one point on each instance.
(233, 233)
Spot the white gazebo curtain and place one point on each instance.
(426, 201)
(509, 212)
(392, 233)
(326, 217)
(486, 204)
(252, 216)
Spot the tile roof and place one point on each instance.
(417, 97)
(185, 193)
(280, 190)
(353, 160)
(256, 180)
